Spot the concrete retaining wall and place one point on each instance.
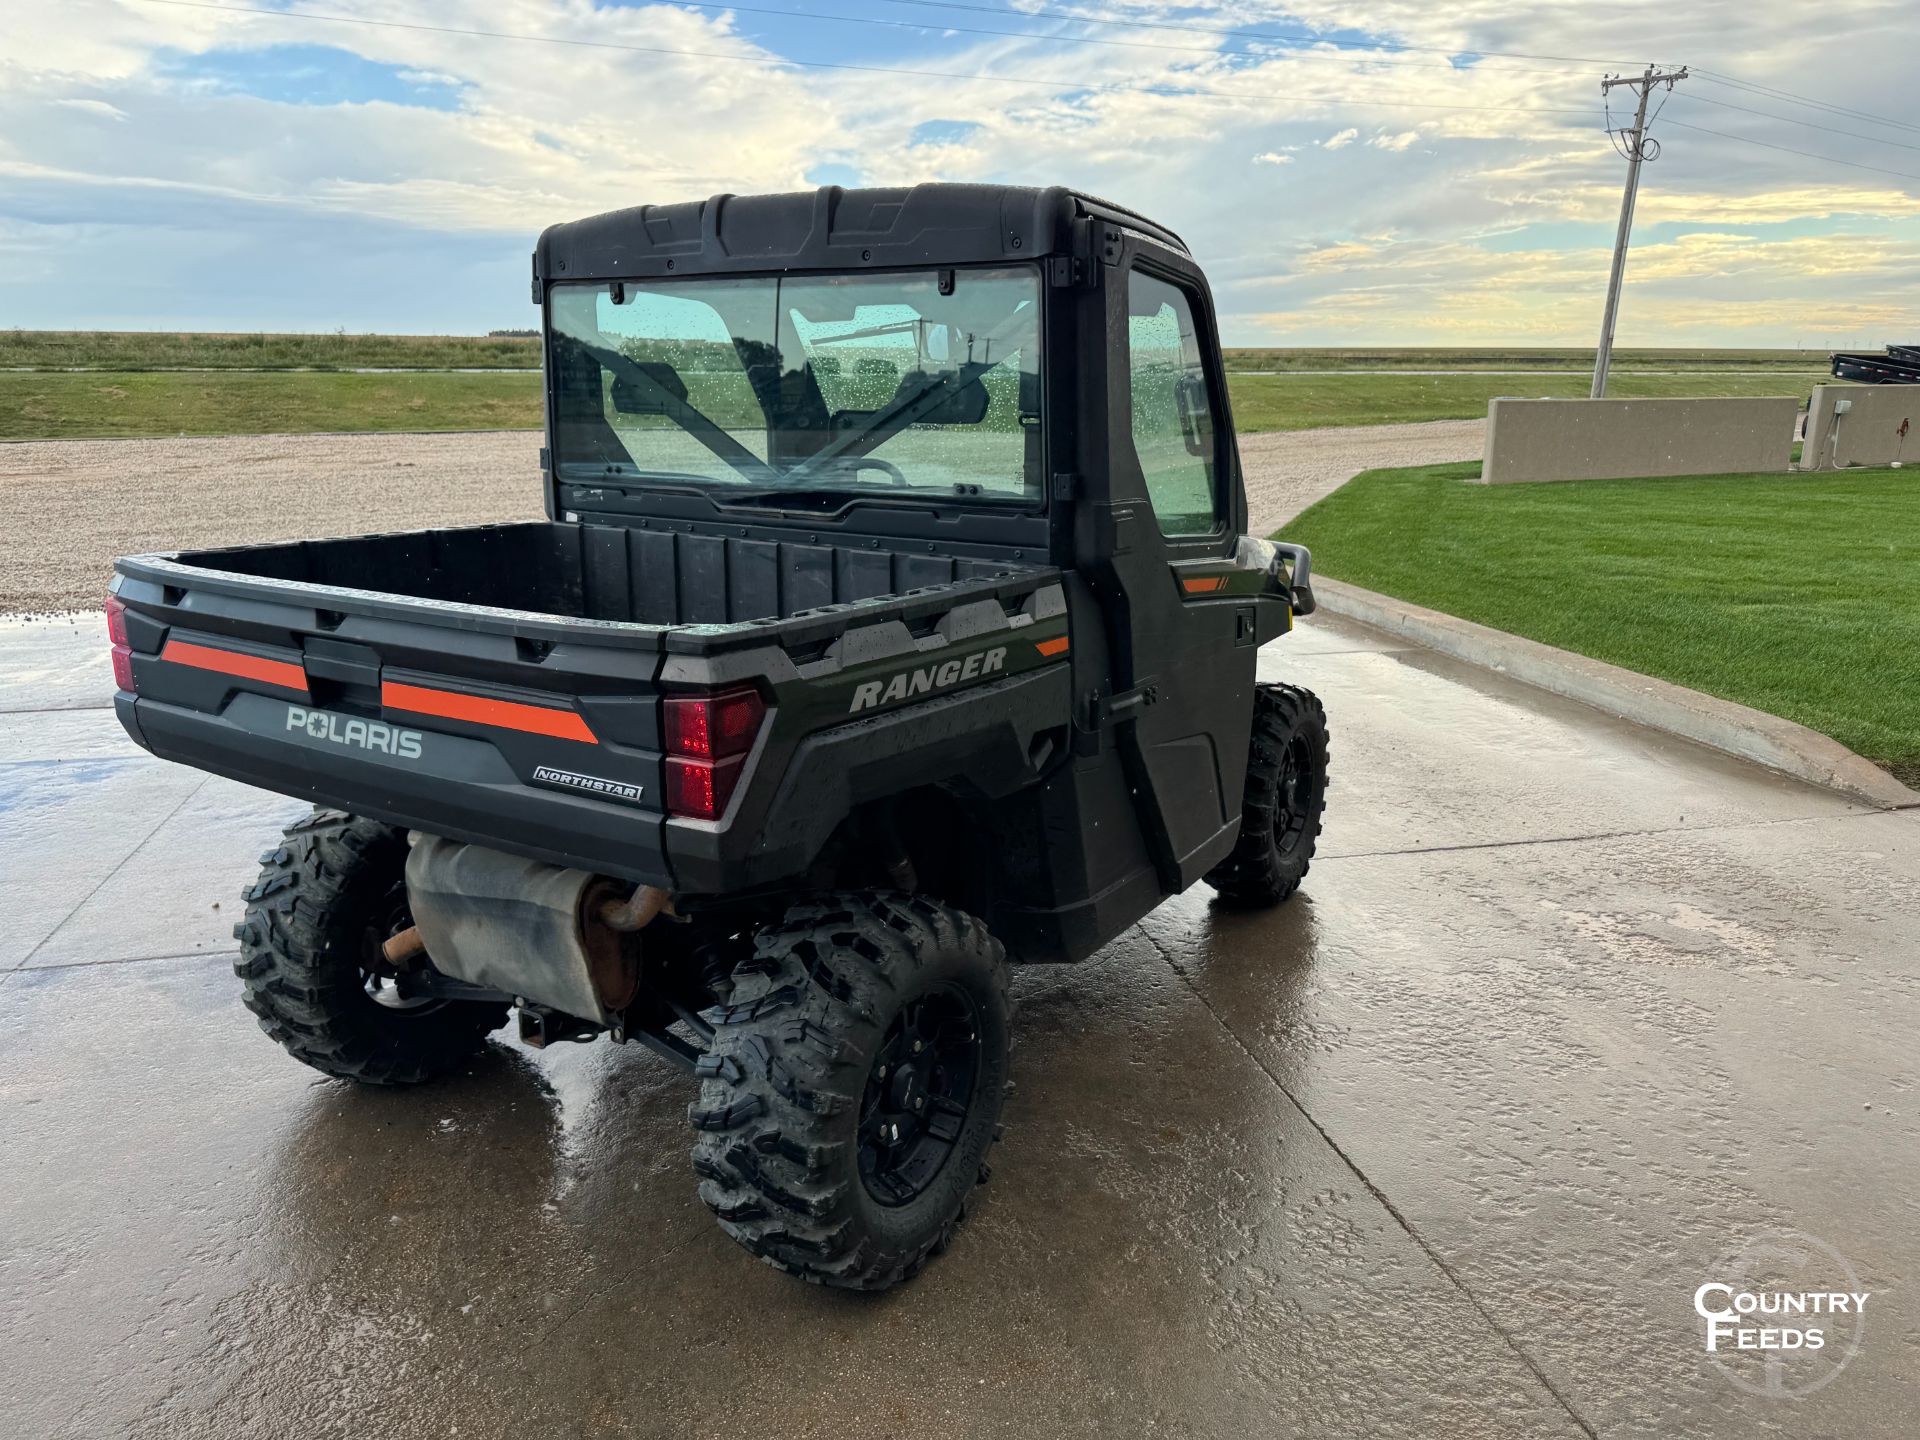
(1869, 433)
(1617, 439)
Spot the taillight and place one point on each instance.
(700, 789)
(708, 736)
(712, 727)
(122, 651)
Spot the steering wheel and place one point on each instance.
(886, 467)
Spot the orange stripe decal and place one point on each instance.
(501, 714)
(283, 673)
(1203, 584)
(1050, 648)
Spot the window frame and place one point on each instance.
(1144, 262)
(1034, 499)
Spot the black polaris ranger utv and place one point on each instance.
(892, 620)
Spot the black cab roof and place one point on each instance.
(829, 229)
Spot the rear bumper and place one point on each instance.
(462, 788)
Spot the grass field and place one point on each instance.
(63, 406)
(1300, 402)
(161, 350)
(75, 384)
(57, 405)
(1795, 594)
(1481, 358)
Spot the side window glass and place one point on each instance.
(1173, 433)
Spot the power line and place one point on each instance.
(1662, 106)
(1168, 89)
(1624, 151)
(1789, 150)
(1794, 120)
(1161, 46)
(1293, 37)
(1715, 77)
(1286, 38)
(1308, 37)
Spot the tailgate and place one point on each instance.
(533, 733)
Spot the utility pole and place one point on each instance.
(1640, 146)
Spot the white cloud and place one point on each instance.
(1514, 196)
(1822, 288)
(94, 107)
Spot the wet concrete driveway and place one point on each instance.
(1566, 1016)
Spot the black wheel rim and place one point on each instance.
(402, 992)
(1293, 800)
(918, 1095)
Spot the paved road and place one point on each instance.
(1565, 1013)
(68, 507)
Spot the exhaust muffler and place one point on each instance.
(564, 939)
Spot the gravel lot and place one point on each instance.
(68, 507)
(1287, 470)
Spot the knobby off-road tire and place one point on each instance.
(852, 1009)
(327, 897)
(1286, 796)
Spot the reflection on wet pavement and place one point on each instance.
(1564, 1012)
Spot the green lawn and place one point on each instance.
(1795, 594)
(54, 405)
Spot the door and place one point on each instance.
(1181, 624)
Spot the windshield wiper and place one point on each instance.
(601, 478)
(814, 497)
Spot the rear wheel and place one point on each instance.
(854, 1086)
(1286, 794)
(328, 897)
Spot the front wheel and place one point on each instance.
(854, 1086)
(1286, 794)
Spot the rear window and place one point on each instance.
(923, 383)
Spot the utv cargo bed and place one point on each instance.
(504, 684)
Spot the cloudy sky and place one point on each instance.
(1348, 171)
